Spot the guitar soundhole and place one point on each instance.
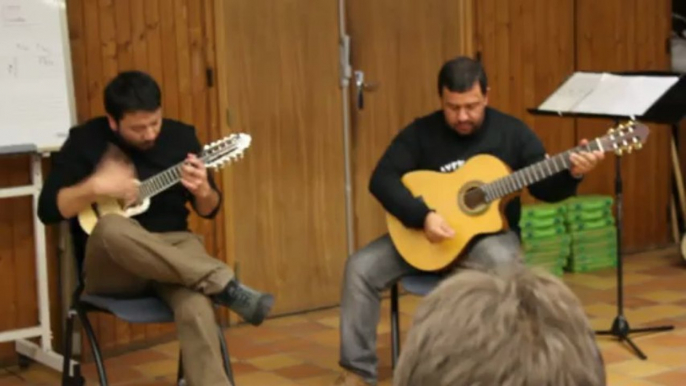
(471, 199)
(474, 198)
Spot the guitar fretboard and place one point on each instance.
(171, 176)
(161, 181)
(533, 173)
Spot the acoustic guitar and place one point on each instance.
(472, 198)
(214, 155)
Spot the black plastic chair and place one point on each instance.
(420, 285)
(144, 309)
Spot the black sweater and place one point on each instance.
(84, 148)
(429, 143)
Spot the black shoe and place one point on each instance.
(251, 305)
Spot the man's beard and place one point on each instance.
(471, 126)
(130, 147)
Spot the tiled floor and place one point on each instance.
(303, 350)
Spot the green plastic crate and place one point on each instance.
(557, 230)
(576, 266)
(594, 235)
(541, 222)
(589, 202)
(591, 215)
(588, 225)
(608, 245)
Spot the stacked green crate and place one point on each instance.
(591, 224)
(545, 240)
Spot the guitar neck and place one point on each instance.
(161, 181)
(534, 173)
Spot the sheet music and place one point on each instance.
(573, 91)
(603, 93)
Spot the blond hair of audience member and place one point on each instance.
(516, 328)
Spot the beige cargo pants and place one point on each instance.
(124, 259)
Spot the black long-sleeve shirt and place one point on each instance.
(84, 148)
(428, 143)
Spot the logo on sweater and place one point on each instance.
(452, 166)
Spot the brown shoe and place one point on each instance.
(350, 379)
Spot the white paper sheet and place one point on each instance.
(34, 89)
(603, 93)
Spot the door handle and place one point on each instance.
(361, 86)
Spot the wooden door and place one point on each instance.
(399, 45)
(286, 200)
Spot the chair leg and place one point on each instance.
(69, 379)
(225, 355)
(179, 373)
(97, 356)
(395, 326)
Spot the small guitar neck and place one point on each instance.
(214, 156)
(534, 173)
(160, 182)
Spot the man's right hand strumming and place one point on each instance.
(115, 179)
(436, 228)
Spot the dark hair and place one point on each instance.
(131, 91)
(460, 74)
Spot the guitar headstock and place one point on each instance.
(227, 149)
(625, 137)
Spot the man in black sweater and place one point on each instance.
(154, 251)
(441, 141)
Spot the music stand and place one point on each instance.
(581, 96)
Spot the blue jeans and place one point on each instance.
(374, 269)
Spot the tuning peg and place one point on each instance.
(618, 151)
(611, 131)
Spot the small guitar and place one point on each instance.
(472, 198)
(213, 155)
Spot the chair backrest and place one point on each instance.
(78, 241)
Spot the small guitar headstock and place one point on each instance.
(625, 137)
(227, 149)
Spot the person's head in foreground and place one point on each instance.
(516, 328)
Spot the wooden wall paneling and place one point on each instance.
(279, 81)
(15, 259)
(401, 46)
(629, 35)
(18, 292)
(8, 291)
(527, 48)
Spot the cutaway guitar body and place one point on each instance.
(467, 213)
